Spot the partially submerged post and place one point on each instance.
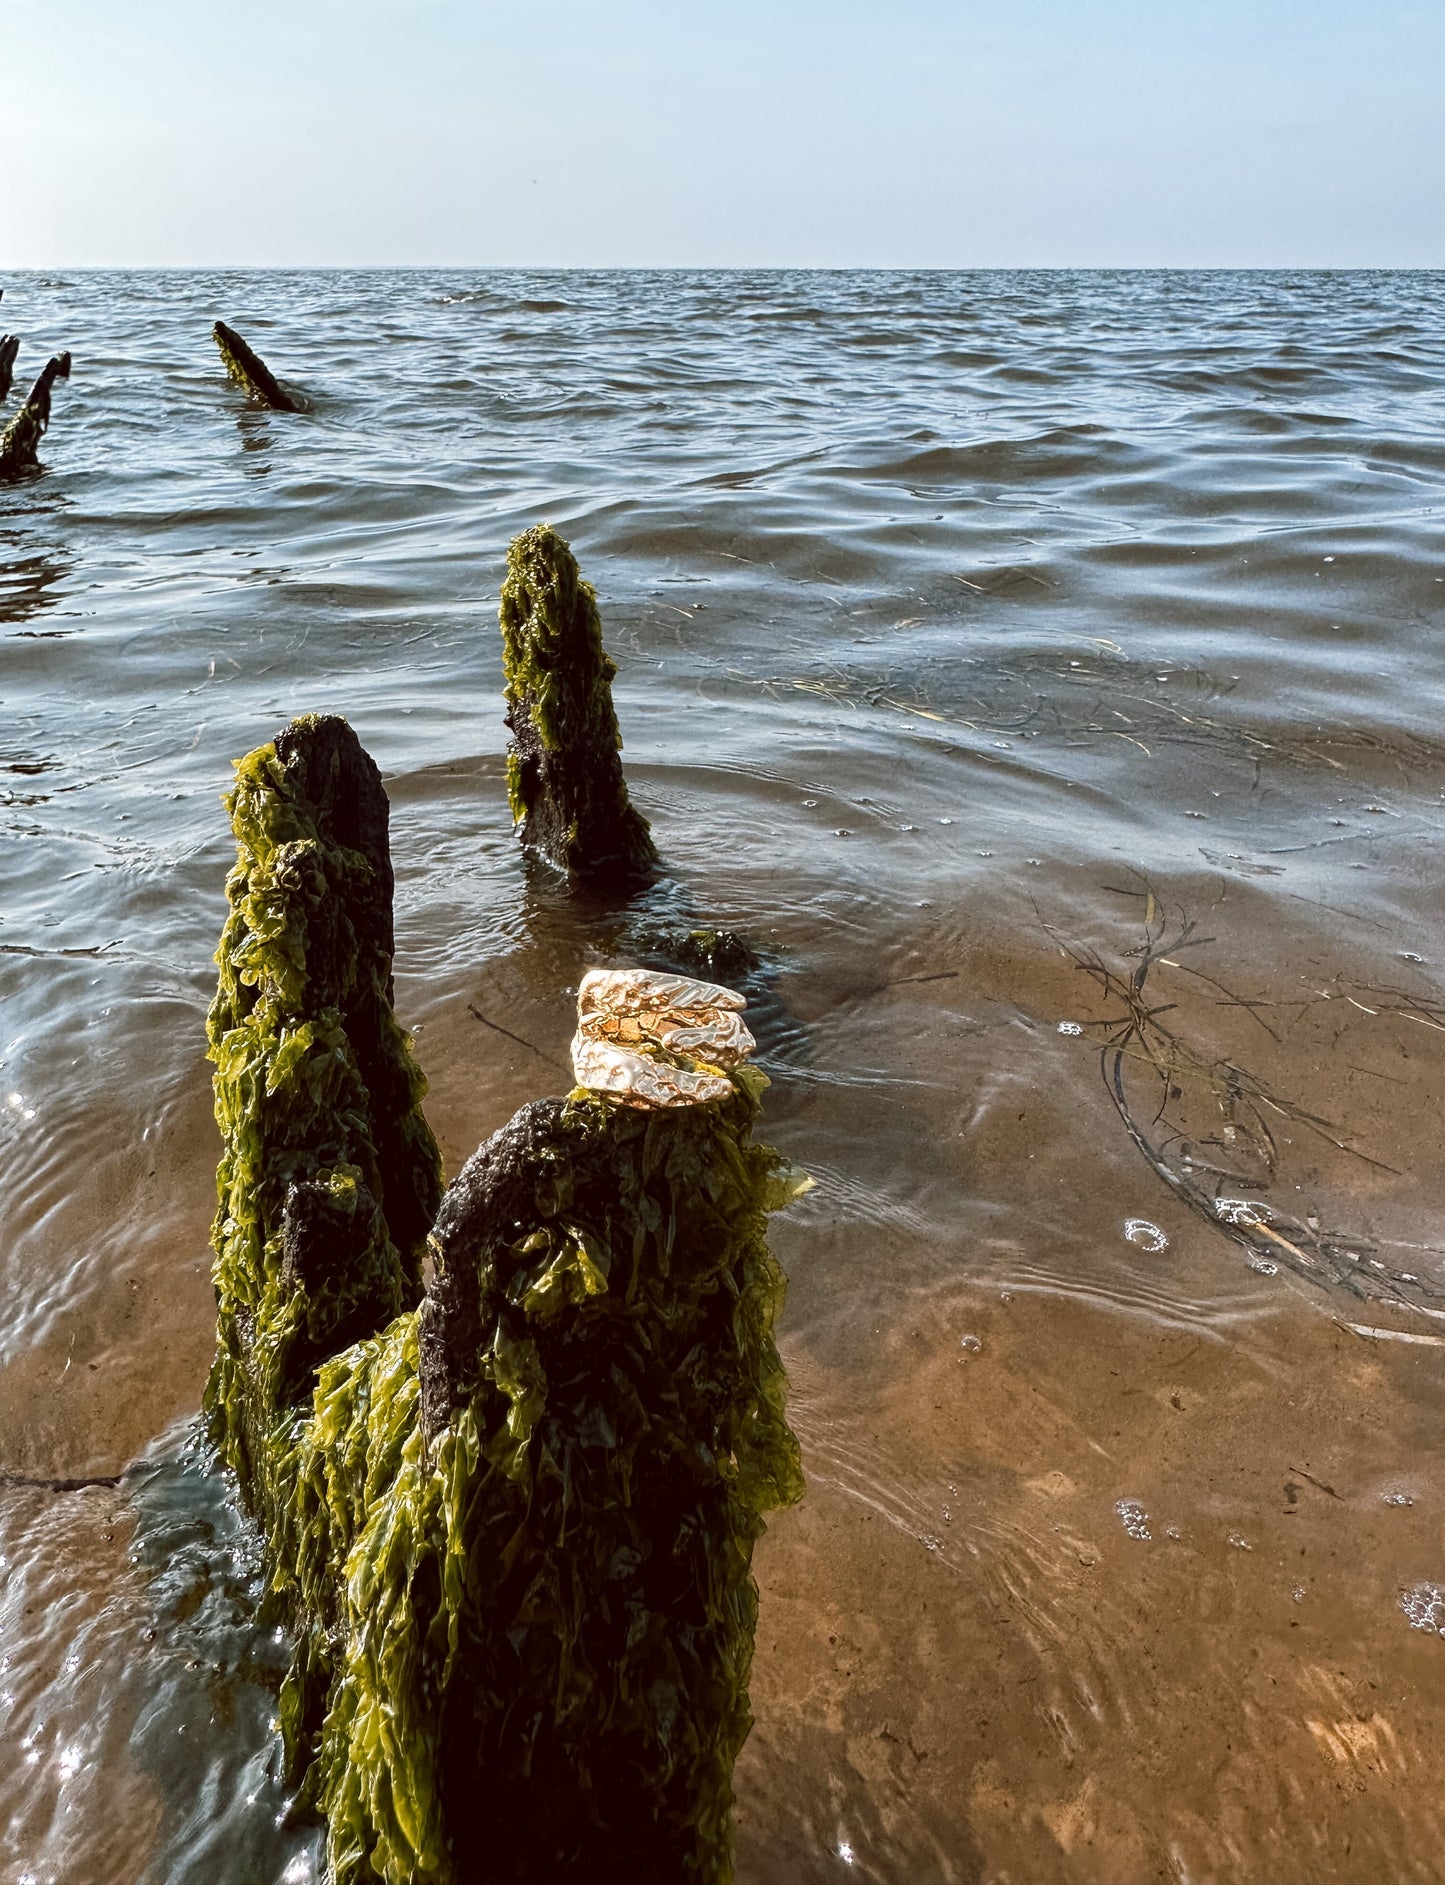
(513, 1531)
(251, 373)
(564, 773)
(329, 1176)
(20, 441)
(9, 347)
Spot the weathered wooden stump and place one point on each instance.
(20, 441)
(564, 770)
(251, 373)
(329, 1177)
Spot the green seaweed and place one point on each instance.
(509, 1519)
(250, 372)
(329, 1175)
(564, 774)
(20, 441)
(519, 1526)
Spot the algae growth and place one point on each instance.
(329, 1176)
(522, 1523)
(513, 1529)
(20, 441)
(9, 347)
(251, 373)
(564, 774)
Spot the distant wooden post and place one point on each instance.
(251, 373)
(20, 441)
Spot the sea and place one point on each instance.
(1045, 672)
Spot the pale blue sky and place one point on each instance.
(801, 132)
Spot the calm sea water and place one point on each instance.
(1047, 670)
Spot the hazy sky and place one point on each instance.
(795, 132)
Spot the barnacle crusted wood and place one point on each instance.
(251, 373)
(20, 441)
(564, 771)
(329, 1177)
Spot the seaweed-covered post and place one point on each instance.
(329, 1177)
(9, 347)
(521, 1523)
(251, 373)
(564, 774)
(20, 441)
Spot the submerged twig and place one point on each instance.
(41, 1483)
(1136, 1036)
(497, 1028)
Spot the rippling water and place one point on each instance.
(1047, 669)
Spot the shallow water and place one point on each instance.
(1046, 669)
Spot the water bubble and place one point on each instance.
(1070, 1027)
(1264, 1266)
(1246, 1213)
(1240, 1542)
(69, 1762)
(1135, 1519)
(1424, 1605)
(945, 821)
(845, 1852)
(810, 803)
(1396, 1498)
(971, 1344)
(1408, 955)
(298, 1872)
(1145, 1236)
(841, 833)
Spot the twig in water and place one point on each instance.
(497, 1028)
